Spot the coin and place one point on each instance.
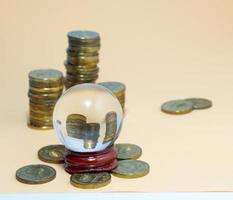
(52, 153)
(128, 151)
(116, 87)
(131, 169)
(90, 180)
(83, 36)
(94, 60)
(200, 103)
(46, 90)
(42, 75)
(177, 107)
(35, 174)
(87, 48)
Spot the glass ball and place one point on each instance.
(87, 118)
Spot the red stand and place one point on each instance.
(76, 162)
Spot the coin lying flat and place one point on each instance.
(116, 87)
(45, 75)
(52, 153)
(90, 180)
(128, 151)
(131, 169)
(35, 174)
(177, 107)
(200, 103)
(84, 36)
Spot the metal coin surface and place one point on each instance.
(116, 87)
(128, 151)
(52, 153)
(200, 103)
(177, 107)
(88, 36)
(87, 49)
(131, 169)
(90, 180)
(35, 174)
(46, 90)
(45, 75)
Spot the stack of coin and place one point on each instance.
(118, 89)
(45, 87)
(82, 57)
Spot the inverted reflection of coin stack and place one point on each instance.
(76, 125)
(111, 126)
(118, 89)
(82, 57)
(45, 87)
(91, 136)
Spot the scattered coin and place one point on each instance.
(200, 103)
(128, 151)
(177, 107)
(35, 174)
(90, 180)
(52, 153)
(131, 169)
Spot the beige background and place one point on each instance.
(161, 50)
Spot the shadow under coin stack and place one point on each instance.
(45, 87)
(118, 89)
(82, 57)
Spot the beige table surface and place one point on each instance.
(161, 50)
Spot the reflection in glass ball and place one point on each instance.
(87, 118)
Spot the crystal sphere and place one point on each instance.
(87, 118)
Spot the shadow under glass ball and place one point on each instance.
(87, 118)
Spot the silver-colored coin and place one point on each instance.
(83, 36)
(177, 107)
(127, 151)
(35, 174)
(131, 169)
(200, 103)
(45, 75)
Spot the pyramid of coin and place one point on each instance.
(118, 89)
(82, 57)
(45, 87)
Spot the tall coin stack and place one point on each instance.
(118, 89)
(82, 57)
(45, 87)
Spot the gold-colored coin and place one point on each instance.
(117, 88)
(131, 169)
(39, 127)
(88, 49)
(90, 180)
(52, 153)
(41, 85)
(177, 107)
(45, 75)
(47, 90)
(83, 60)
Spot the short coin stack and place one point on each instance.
(118, 89)
(82, 57)
(46, 86)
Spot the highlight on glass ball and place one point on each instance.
(87, 118)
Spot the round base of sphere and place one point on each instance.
(77, 162)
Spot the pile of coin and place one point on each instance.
(45, 87)
(82, 57)
(118, 89)
(183, 106)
